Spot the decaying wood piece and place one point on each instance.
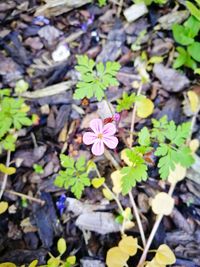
(58, 7)
(49, 90)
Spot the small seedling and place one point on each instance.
(95, 78)
(74, 177)
(38, 169)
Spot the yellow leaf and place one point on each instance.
(162, 204)
(61, 246)
(116, 180)
(98, 182)
(7, 264)
(154, 263)
(128, 225)
(125, 158)
(33, 263)
(165, 255)
(144, 107)
(116, 257)
(107, 194)
(3, 206)
(71, 260)
(194, 101)
(177, 174)
(127, 213)
(194, 145)
(7, 170)
(129, 245)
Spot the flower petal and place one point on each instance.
(98, 147)
(109, 129)
(89, 138)
(96, 125)
(110, 141)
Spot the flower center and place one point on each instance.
(100, 136)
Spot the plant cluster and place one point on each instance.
(188, 53)
(74, 176)
(95, 78)
(52, 261)
(149, 2)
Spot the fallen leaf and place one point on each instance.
(194, 145)
(116, 180)
(165, 255)
(98, 182)
(162, 204)
(193, 100)
(144, 107)
(129, 245)
(3, 206)
(116, 257)
(107, 194)
(177, 174)
(7, 170)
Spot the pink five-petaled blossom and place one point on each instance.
(101, 135)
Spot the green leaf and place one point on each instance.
(95, 78)
(74, 177)
(135, 173)
(66, 161)
(144, 137)
(61, 246)
(126, 102)
(193, 10)
(181, 59)
(194, 51)
(193, 25)
(181, 35)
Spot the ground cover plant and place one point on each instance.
(99, 133)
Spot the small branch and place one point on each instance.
(137, 216)
(39, 201)
(153, 232)
(111, 159)
(133, 118)
(120, 8)
(5, 178)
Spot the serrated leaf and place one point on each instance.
(3, 206)
(61, 246)
(194, 49)
(126, 102)
(144, 137)
(165, 255)
(167, 204)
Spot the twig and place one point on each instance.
(137, 216)
(5, 178)
(120, 8)
(111, 159)
(42, 202)
(133, 118)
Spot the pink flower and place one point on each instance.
(101, 135)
